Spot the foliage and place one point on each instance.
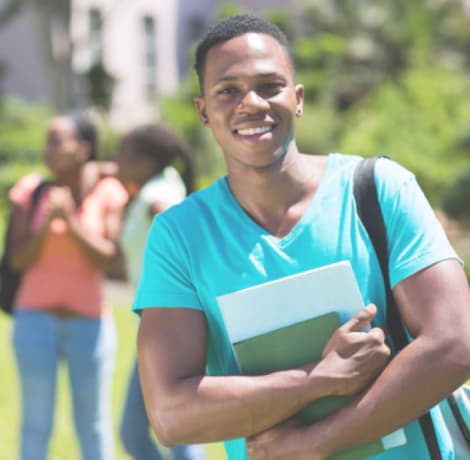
(417, 121)
(21, 141)
(100, 84)
(108, 137)
(380, 76)
(63, 443)
(456, 201)
(22, 129)
(385, 76)
(388, 77)
(9, 10)
(317, 130)
(230, 8)
(3, 73)
(22, 136)
(178, 112)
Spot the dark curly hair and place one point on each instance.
(231, 27)
(158, 141)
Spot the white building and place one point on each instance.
(136, 41)
(145, 45)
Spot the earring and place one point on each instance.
(298, 112)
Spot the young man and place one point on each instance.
(279, 212)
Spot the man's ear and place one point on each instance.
(299, 93)
(201, 110)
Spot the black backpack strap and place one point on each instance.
(368, 210)
(37, 193)
(34, 201)
(462, 424)
(9, 277)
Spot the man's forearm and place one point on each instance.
(186, 407)
(414, 381)
(210, 409)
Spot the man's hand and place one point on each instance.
(354, 357)
(351, 360)
(280, 443)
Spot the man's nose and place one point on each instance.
(253, 102)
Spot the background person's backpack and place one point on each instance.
(456, 407)
(10, 278)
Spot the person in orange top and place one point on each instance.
(63, 247)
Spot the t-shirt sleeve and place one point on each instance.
(165, 279)
(112, 193)
(168, 189)
(416, 238)
(20, 193)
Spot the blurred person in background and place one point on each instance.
(63, 249)
(144, 166)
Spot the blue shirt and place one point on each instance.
(208, 246)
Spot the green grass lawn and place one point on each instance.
(63, 443)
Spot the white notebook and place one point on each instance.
(291, 299)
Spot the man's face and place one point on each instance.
(250, 100)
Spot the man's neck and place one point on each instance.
(276, 198)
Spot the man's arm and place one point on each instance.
(185, 406)
(435, 305)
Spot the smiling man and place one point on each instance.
(278, 212)
(250, 100)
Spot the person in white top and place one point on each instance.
(144, 166)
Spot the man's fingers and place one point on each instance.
(361, 319)
(378, 333)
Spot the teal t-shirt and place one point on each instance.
(208, 246)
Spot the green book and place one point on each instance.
(289, 347)
(285, 323)
(294, 346)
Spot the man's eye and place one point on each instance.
(227, 91)
(271, 87)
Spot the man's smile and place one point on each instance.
(254, 131)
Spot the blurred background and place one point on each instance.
(381, 76)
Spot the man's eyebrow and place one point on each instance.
(230, 78)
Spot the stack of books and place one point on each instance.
(286, 323)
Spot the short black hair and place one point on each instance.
(231, 27)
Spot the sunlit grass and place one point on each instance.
(64, 445)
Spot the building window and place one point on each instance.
(150, 57)
(95, 24)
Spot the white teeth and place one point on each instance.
(252, 131)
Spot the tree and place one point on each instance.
(53, 23)
(53, 36)
(9, 11)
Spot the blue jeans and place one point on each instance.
(88, 346)
(135, 429)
